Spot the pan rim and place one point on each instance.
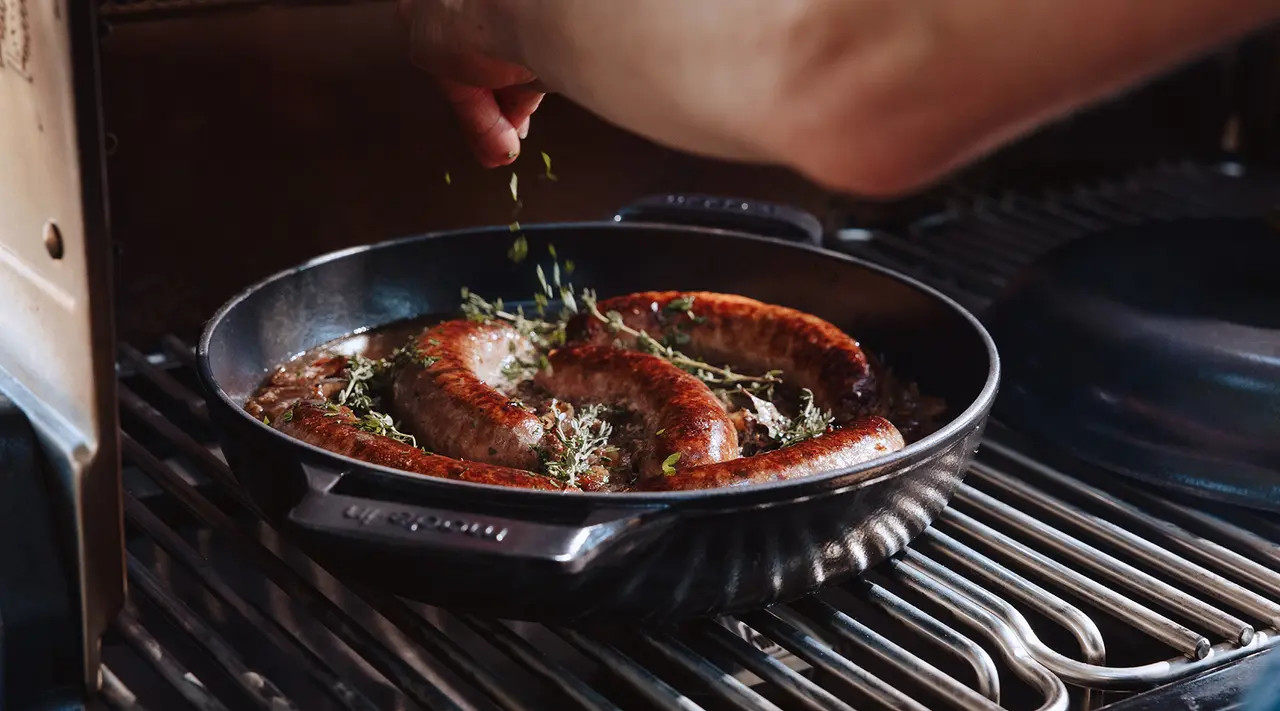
(876, 470)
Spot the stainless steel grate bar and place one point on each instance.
(849, 630)
(1207, 551)
(1011, 645)
(1182, 570)
(722, 684)
(256, 686)
(820, 655)
(984, 667)
(168, 666)
(643, 681)
(1178, 637)
(807, 694)
(313, 666)
(350, 631)
(1118, 572)
(1068, 616)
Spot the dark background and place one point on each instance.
(241, 143)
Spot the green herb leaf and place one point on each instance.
(681, 304)
(583, 439)
(519, 249)
(568, 266)
(448, 179)
(659, 432)
(669, 464)
(492, 451)
(515, 188)
(266, 420)
(546, 160)
(287, 416)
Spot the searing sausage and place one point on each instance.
(683, 416)
(454, 406)
(858, 442)
(752, 337)
(334, 429)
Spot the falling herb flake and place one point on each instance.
(568, 266)
(546, 160)
(515, 187)
(520, 248)
(669, 464)
(448, 179)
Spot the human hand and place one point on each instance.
(493, 98)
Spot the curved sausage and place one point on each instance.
(453, 406)
(334, 429)
(753, 337)
(860, 441)
(685, 417)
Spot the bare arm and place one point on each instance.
(871, 96)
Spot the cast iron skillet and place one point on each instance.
(551, 556)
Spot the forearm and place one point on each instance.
(872, 96)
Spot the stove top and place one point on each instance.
(1044, 586)
(1047, 584)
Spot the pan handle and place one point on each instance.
(753, 216)
(570, 547)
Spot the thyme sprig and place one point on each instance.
(785, 431)
(365, 376)
(719, 378)
(583, 437)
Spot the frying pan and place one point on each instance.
(551, 556)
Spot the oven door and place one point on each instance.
(56, 335)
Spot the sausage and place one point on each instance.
(333, 428)
(453, 405)
(685, 417)
(752, 337)
(858, 442)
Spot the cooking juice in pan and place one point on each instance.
(605, 404)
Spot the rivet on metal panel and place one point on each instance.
(53, 239)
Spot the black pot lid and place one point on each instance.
(1153, 351)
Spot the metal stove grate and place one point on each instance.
(1046, 585)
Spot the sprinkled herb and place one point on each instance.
(785, 431)
(512, 154)
(492, 451)
(659, 432)
(448, 179)
(546, 160)
(266, 420)
(515, 187)
(669, 464)
(287, 416)
(520, 248)
(568, 266)
(681, 304)
(583, 437)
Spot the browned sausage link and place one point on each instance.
(684, 416)
(452, 405)
(861, 441)
(334, 430)
(753, 338)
